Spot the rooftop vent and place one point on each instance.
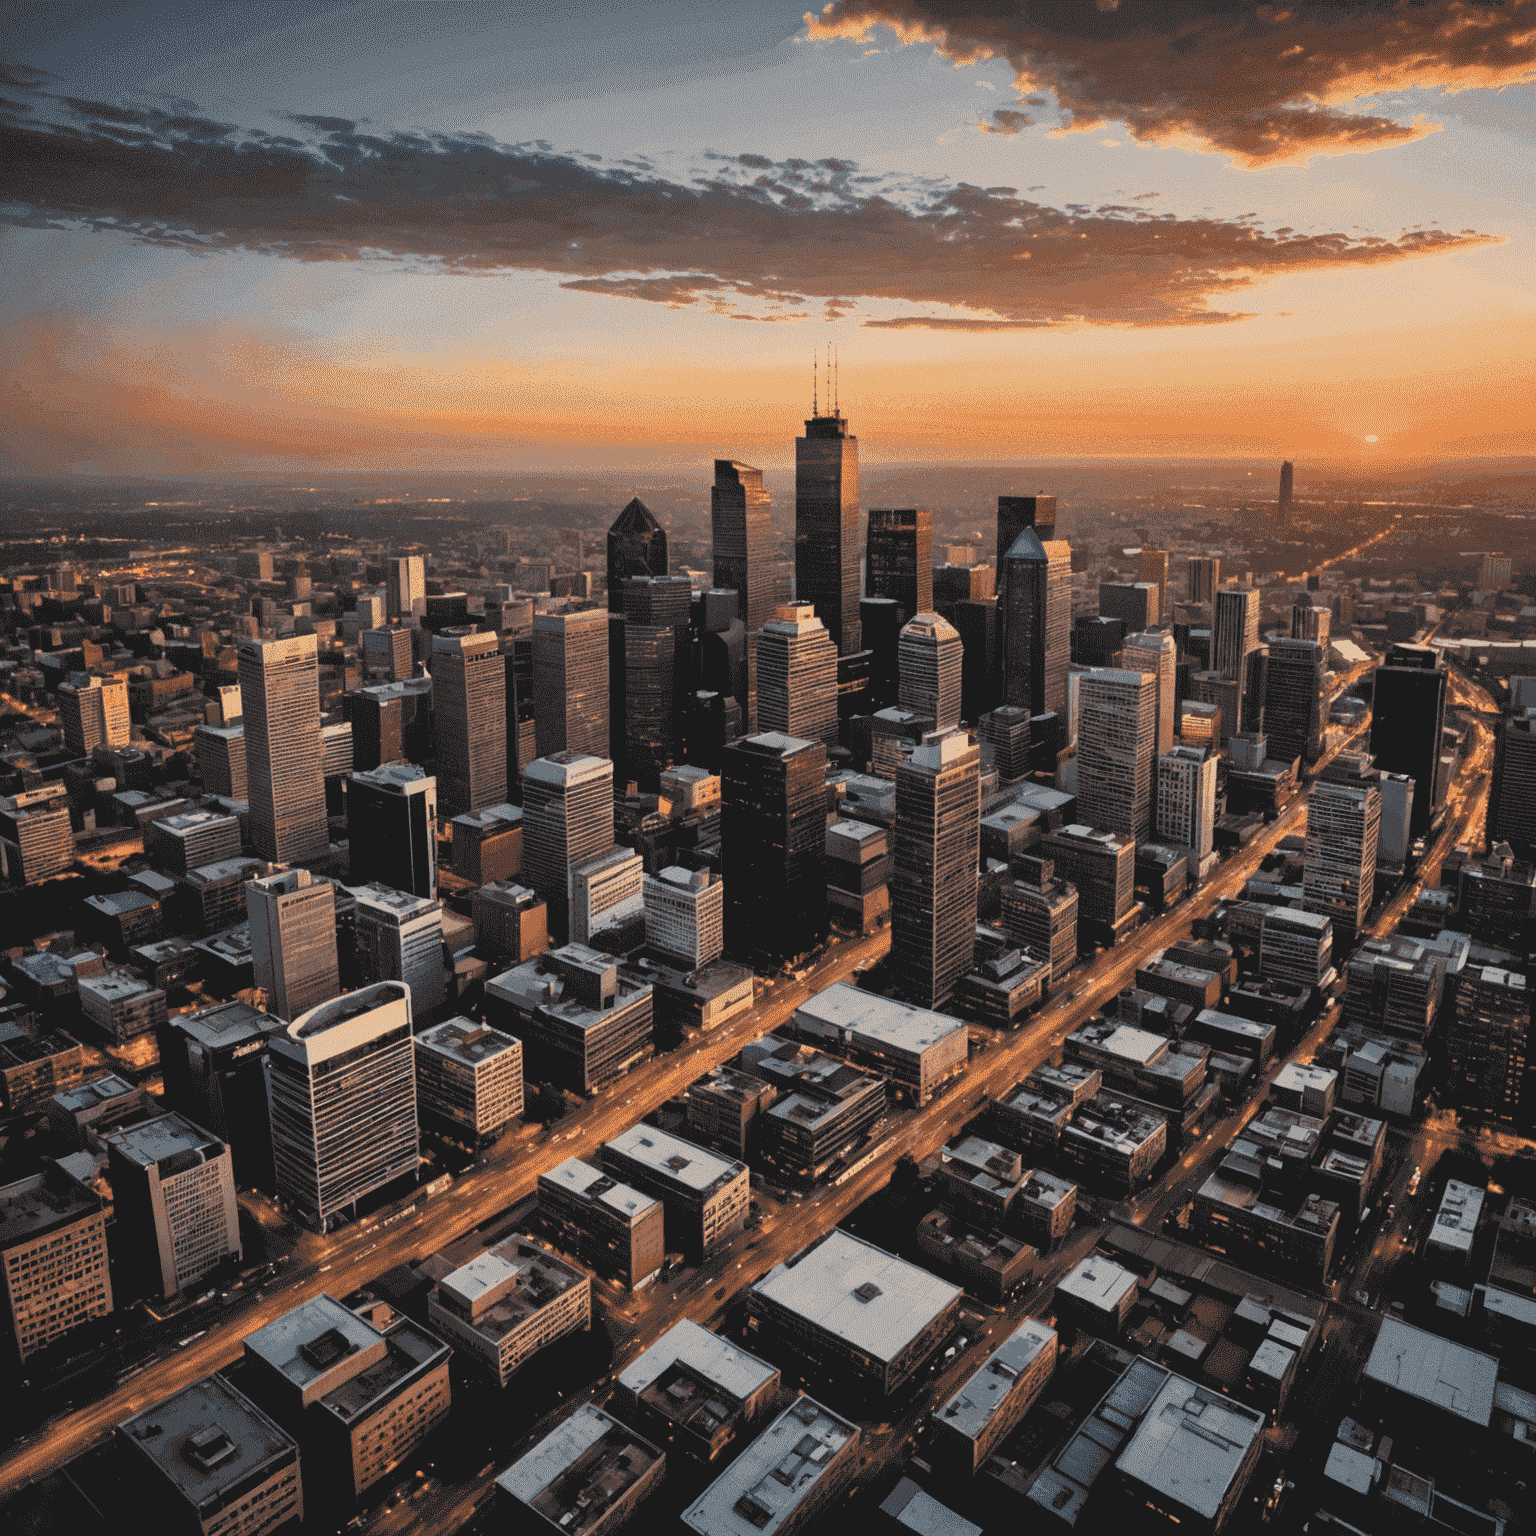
(868, 1291)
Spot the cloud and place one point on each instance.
(748, 235)
(1263, 83)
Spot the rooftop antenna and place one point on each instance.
(835, 371)
(814, 381)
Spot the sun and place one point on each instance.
(1371, 437)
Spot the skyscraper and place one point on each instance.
(932, 659)
(1015, 514)
(1186, 802)
(1310, 621)
(1293, 699)
(1287, 486)
(899, 559)
(773, 836)
(1236, 631)
(937, 849)
(740, 512)
(1512, 799)
(1135, 602)
(570, 682)
(1156, 653)
(392, 828)
(469, 721)
(797, 676)
(400, 938)
(637, 546)
(1343, 828)
(387, 654)
(1407, 721)
(1034, 613)
(1153, 566)
(285, 784)
(292, 918)
(93, 712)
(1204, 578)
(221, 759)
(827, 527)
(344, 1101)
(880, 618)
(567, 819)
(1116, 744)
(405, 586)
(645, 732)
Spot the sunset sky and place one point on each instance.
(265, 238)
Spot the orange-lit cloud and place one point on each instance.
(1265, 84)
(749, 238)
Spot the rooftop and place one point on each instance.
(464, 1041)
(36, 1205)
(1456, 1221)
(881, 1020)
(917, 1511)
(579, 1178)
(501, 1287)
(1099, 1283)
(678, 1161)
(170, 1139)
(228, 1024)
(575, 1473)
(720, 1362)
(1434, 1370)
(306, 1344)
(88, 1095)
(971, 1408)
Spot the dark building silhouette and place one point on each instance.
(1512, 800)
(899, 558)
(881, 620)
(1034, 615)
(1287, 485)
(1407, 719)
(637, 546)
(1293, 699)
(827, 527)
(392, 828)
(1015, 514)
(740, 512)
(773, 834)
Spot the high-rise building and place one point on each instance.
(797, 676)
(400, 938)
(469, 717)
(685, 915)
(1287, 487)
(391, 722)
(937, 847)
(608, 900)
(1311, 621)
(1235, 635)
(469, 1076)
(387, 654)
(293, 940)
(221, 759)
(1152, 564)
(827, 528)
(1343, 828)
(931, 658)
(173, 1196)
(344, 1101)
(740, 515)
(773, 834)
(1204, 572)
(1407, 721)
(1116, 746)
(1015, 514)
(280, 684)
(1295, 677)
(637, 546)
(35, 841)
(93, 712)
(1034, 611)
(899, 558)
(1512, 799)
(1186, 801)
(1156, 653)
(405, 586)
(1133, 602)
(392, 828)
(570, 682)
(1487, 1045)
(644, 733)
(567, 819)
(1495, 572)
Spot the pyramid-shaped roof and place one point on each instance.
(636, 518)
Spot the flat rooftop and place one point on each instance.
(573, 1476)
(880, 1020)
(582, 1179)
(465, 1042)
(228, 1024)
(502, 1287)
(407, 1349)
(718, 1361)
(170, 1136)
(1434, 1370)
(286, 1344)
(33, 1206)
(1456, 1221)
(971, 1409)
(87, 1096)
(865, 1296)
(1099, 1283)
(680, 1162)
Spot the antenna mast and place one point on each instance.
(836, 370)
(814, 382)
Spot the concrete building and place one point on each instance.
(610, 1227)
(1116, 747)
(726, 1105)
(470, 1077)
(488, 844)
(209, 1462)
(608, 899)
(188, 840)
(1039, 914)
(849, 1308)
(507, 1303)
(400, 938)
(1044, 1208)
(1451, 1237)
(93, 712)
(292, 919)
(985, 1411)
(344, 1101)
(469, 721)
(797, 676)
(173, 1194)
(1441, 1388)
(930, 658)
(685, 914)
(511, 924)
(1102, 867)
(1186, 802)
(32, 1069)
(121, 1005)
(980, 1179)
(1113, 1144)
(392, 829)
(221, 759)
(386, 654)
(567, 819)
(899, 559)
(585, 1478)
(1098, 1294)
(706, 1196)
(740, 513)
(405, 586)
(570, 684)
(280, 686)
(1487, 1045)
(1343, 824)
(34, 843)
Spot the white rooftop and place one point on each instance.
(1272, 1359)
(1354, 1469)
(683, 1162)
(1133, 1044)
(529, 1476)
(1098, 1282)
(279, 1342)
(717, 1360)
(1297, 1078)
(579, 1177)
(971, 1409)
(879, 1019)
(1456, 1222)
(1434, 1370)
(824, 1283)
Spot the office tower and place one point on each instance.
(387, 654)
(1156, 654)
(1116, 745)
(773, 833)
(608, 900)
(1034, 613)
(487, 844)
(1152, 564)
(93, 712)
(1310, 622)
(797, 676)
(187, 840)
(931, 659)
(400, 938)
(976, 624)
(469, 718)
(685, 915)
(1007, 731)
(1186, 802)
(637, 546)
(645, 731)
(173, 1195)
(827, 528)
(53, 1259)
(1407, 722)
(937, 850)
(391, 723)
(405, 586)
(1015, 514)
(511, 924)
(1204, 578)
(1495, 572)
(254, 564)
(392, 828)
(567, 819)
(1235, 635)
(740, 512)
(1343, 827)
(1134, 602)
(1487, 1044)
(1287, 486)
(1512, 798)
(34, 843)
(344, 1101)
(899, 559)
(880, 619)
(221, 759)
(1295, 676)
(570, 682)
(469, 1076)
(280, 683)
(370, 610)
(293, 940)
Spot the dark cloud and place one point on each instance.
(750, 237)
(1262, 83)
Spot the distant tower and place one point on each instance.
(932, 661)
(1236, 634)
(1156, 652)
(797, 676)
(1034, 613)
(1407, 719)
(1287, 486)
(1294, 678)
(1116, 745)
(1512, 800)
(1152, 564)
(1339, 871)
(645, 739)
(280, 684)
(405, 586)
(937, 847)
(740, 512)
(899, 547)
(1204, 578)
(1015, 514)
(93, 713)
(1134, 601)
(469, 721)
(570, 682)
(827, 527)
(1310, 622)
(637, 546)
